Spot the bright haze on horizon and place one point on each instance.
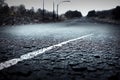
(81, 5)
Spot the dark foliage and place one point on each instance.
(106, 14)
(73, 14)
(116, 13)
(91, 14)
(20, 15)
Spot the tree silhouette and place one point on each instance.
(73, 14)
(116, 13)
(91, 13)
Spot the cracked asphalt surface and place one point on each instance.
(96, 57)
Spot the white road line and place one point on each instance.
(30, 55)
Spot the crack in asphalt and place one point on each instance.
(30, 55)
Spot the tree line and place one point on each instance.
(112, 14)
(20, 15)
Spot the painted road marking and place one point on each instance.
(30, 55)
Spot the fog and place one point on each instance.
(57, 30)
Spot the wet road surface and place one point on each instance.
(95, 57)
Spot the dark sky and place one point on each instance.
(81, 5)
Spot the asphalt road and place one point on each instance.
(95, 57)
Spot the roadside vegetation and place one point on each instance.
(109, 16)
(16, 15)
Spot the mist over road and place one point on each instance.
(95, 57)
